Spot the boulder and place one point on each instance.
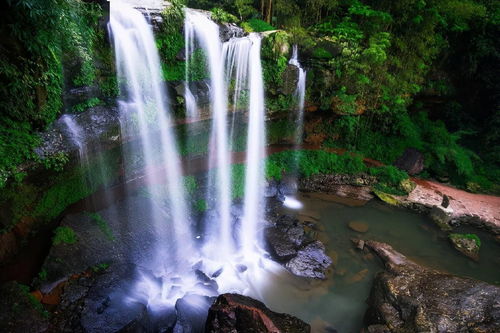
(289, 244)
(285, 238)
(467, 244)
(192, 313)
(412, 161)
(232, 313)
(442, 217)
(310, 262)
(407, 297)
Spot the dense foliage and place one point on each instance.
(392, 75)
(38, 36)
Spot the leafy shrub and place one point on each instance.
(64, 235)
(321, 53)
(257, 25)
(221, 16)
(90, 103)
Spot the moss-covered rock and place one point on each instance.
(467, 244)
(387, 198)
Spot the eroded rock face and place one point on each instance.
(232, 313)
(410, 298)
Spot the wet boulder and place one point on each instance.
(289, 244)
(192, 313)
(412, 161)
(407, 297)
(285, 238)
(232, 313)
(310, 261)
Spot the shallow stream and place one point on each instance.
(339, 302)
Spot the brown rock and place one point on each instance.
(232, 313)
(407, 297)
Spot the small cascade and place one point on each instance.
(300, 93)
(191, 105)
(145, 111)
(206, 33)
(236, 53)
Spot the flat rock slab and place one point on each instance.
(468, 208)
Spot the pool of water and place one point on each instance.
(339, 302)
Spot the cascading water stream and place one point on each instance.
(144, 109)
(300, 92)
(254, 178)
(207, 35)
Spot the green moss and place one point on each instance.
(42, 275)
(103, 225)
(100, 267)
(64, 235)
(35, 303)
(385, 197)
(238, 181)
(190, 184)
(474, 237)
(201, 205)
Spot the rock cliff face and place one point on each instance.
(410, 298)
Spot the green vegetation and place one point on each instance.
(38, 37)
(190, 184)
(256, 25)
(64, 235)
(221, 16)
(474, 237)
(35, 303)
(103, 225)
(312, 162)
(100, 267)
(201, 205)
(90, 103)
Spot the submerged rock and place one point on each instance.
(232, 313)
(467, 244)
(358, 226)
(410, 298)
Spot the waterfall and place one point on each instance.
(207, 35)
(300, 92)
(254, 178)
(145, 111)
